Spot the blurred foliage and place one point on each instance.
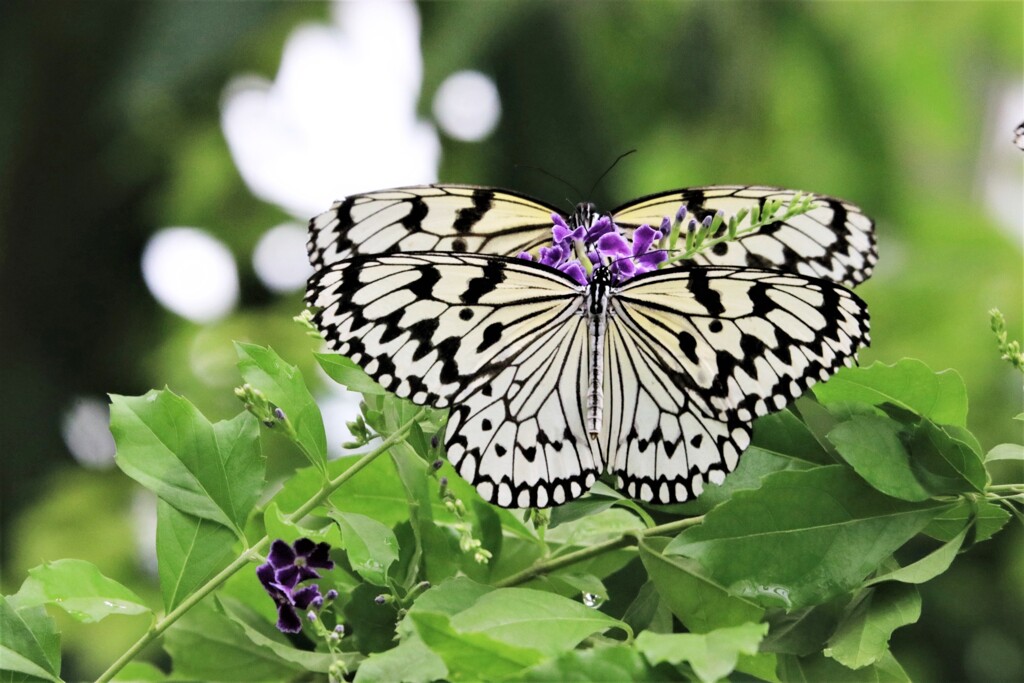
(110, 130)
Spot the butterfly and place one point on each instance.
(650, 374)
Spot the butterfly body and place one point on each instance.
(553, 379)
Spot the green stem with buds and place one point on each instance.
(549, 565)
(254, 552)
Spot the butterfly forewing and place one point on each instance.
(834, 240)
(458, 218)
(501, 340)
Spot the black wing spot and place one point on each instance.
(486, 425)
(715, 326)
(492, 335)
(466, 313)
(688, 345)
(697, 440)
(459, 244)
(720, 249)
(470, 216)
(493, 275)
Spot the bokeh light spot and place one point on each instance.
(86, 433)
(280, 258)
(467, 106)
(191, 273)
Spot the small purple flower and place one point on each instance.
(286, 567)
(604, 245)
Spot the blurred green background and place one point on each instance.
(121, 119)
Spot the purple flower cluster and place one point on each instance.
(603, 244)
(286, 567)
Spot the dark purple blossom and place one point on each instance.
(604, 245)
(285, 568)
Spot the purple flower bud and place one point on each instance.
(666, 225)
(279, 414)
(380, 599)
(437, 464)
(311, 615)
(681, 213)
(331, 595)
(434, 441)
(340, 629)
(707, 221)
(444, 481)
(692, 225)
(525, 255)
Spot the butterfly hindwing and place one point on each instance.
(833, 240)
(497, 339)
(457, 218)
(698, 353)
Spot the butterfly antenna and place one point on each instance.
(608, 170)
(551, 175)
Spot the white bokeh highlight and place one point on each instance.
(191, 273)
(280, 259)
(467, 106)
(86, 431)
(340, 116)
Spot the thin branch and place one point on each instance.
(254, 552)
(627, 539)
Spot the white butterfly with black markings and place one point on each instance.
(554, 378)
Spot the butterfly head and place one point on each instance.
(585, 216)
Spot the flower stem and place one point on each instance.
(252, 553)
(627, 539)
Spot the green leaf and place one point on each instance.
(278, 527)
(471, 656)
(817, 668)
(596, 528)
(284, 387)
(988, 517)
(265, 635)
(700, 604)
(29, 641)
(909, 383)
(804, 631)
(712, 655)
(538, 620)
(872, 446)
(784, 434)
(205, 644)
(375, 623)
(211, 471)
(371, 547)
(944, 464)
(189, 550)
(410, 662)
(78, 588)
(761, 666)
(803, 537)
(375, 491)
(863, 636)
(1006, 451)
(598, 664)
(929, 566)
(348, 374)
(754, 466)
